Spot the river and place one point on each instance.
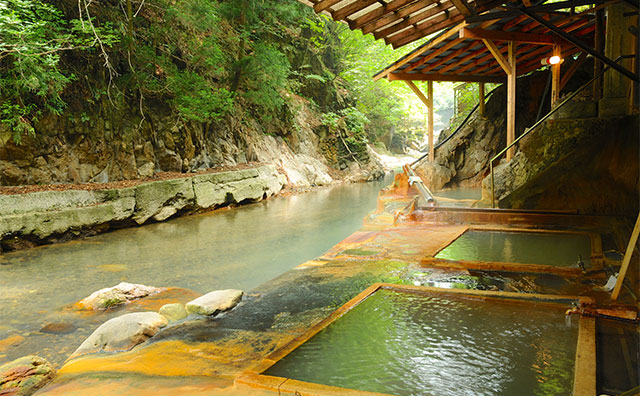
(238, 248)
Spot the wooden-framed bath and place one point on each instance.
(596, 257)
(585, 361)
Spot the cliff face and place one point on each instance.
(464, 159)
(112, 144)
(589, 165)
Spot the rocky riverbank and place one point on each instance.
(50, 216)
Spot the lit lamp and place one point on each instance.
(551, 60)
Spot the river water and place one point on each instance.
(238, 248)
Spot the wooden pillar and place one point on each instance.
(555, 77)
(432, 150)
(599, 46)
(481, 99)
(429, 103)
(511, 99)
(627, 259)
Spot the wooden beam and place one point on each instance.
(434, 54)
(555, 77)
(511, 99)
(462, 7)
(578, 43)
(324, 5)
(352, 8)
(584, 377)
(599, 46)
(443, 77)
(515, 11)
(394, 8)
(481, 98)
(424, 29)
(432, 149)
(420, 51)
(627, 259)
(495, 51)
(412, 21)
(418, 92)
(445, 67)
(407, 11)
(484, 34)
(572, 70)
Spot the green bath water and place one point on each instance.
(561, 250)
(410, 344)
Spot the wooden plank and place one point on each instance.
(555, 77)
(352, 8)
(445, 67)
(444, 77)
(394, 7)
(422, 30)
(511, 100)
(418, 92)
(495, 51)
(434, 54)
(462, 7)
(584, 378)
(469, 57)
(432, 150)
(484, 34)
(324, 5)
(627, 259)
(413, 21)
(430, 9)
(410, 57)
(481, 98)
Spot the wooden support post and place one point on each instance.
(599, 46)
(511, 99)
(432, 150)
(555, 77)
(481, 99)
(429, 103)
(627, 259)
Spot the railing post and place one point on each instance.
(493, 197)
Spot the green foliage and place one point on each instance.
(33, 34)
(354, 120)
(265, 77)
(195, 98)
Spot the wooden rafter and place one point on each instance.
(485, 34)
(517, 11)
(462, 7)
(425, 17)
(502, 61)
(444, 77)
(397, 7)
(431, 44)
(419, 31)
(428, 8)
(434, 54)
(446, 67)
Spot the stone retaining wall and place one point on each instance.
(47, 216)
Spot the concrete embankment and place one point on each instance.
(48, 216)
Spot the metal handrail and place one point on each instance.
(543, 119)
(437, 146)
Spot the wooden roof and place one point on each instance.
(400, 22)
(460, 53)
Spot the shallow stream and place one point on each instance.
(238, 248)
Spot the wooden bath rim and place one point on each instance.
(585, 362)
